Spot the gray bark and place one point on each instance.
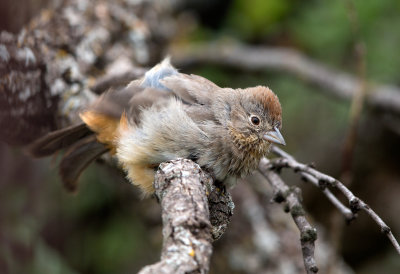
(183, 189)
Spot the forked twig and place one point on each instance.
(292, 197)
(313, 175)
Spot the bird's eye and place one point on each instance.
(255, 120)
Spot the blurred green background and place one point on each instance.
(45, 230)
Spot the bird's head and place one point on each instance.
(256, 116)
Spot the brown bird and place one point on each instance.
(168, 115)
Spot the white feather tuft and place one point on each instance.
(158, 72)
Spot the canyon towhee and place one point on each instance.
(168, 115)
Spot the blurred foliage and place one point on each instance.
(321, 29)
(258, 18)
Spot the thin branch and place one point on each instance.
(250, 58)
(292, 197)
(344, 210)
(347, 213)
(355, 203)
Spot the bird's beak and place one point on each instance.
(274, 136)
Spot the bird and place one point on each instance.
(167, 115)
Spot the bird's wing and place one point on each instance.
(103, 117)
(191, 88)
(146, 98)
(200, 113)
(112, 103)
(139, 94)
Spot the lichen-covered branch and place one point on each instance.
(355, 203)
(292, 198)
(182, 189)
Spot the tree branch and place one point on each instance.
(347, 213)
(292, 198)
(355, 203)
(183, 189)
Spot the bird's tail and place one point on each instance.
(77, 158)
(57, 140)
(81, 148)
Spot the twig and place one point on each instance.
(186, 226)
(250, 58)
(292, 197)
(344, 210)
(347, 213)
(355, 203)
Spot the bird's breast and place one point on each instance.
(246, 152)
